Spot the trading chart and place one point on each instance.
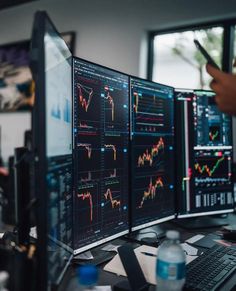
(101, 123)
(152, 152)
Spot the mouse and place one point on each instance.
(231, 235)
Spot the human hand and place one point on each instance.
(224, 85)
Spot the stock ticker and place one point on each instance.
(101, 137)
(152, 135)
(205, 142)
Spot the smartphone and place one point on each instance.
(205, 54)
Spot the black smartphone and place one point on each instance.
(205, 54)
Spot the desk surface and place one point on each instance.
(70, 281)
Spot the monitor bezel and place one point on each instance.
(39, 145)
(122, 233)
(40, 164)
(169, 217)
(212, 212)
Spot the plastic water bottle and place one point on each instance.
(170, 267)
(87, 277)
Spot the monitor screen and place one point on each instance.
(204, 143)
(152, 170)
(52, 142)
(101, 142)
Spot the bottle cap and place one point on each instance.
(172, 234)
(87, 275)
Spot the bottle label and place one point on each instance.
(170, 271)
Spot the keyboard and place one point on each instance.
(211, 269)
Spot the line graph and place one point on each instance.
(151, 191)
(108, 196)
(84, 196)
(110, 99)
(213, 136)
(113, 147)
(83, 101)
(208, 170)
(148, 156)
(214, 133)
(87, 147)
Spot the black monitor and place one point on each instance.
(204, 155)
(152, 135)
(101, 141)
(52, 148)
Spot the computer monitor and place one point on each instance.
(101, 142)
(204, 155)
(52, 148)
(152, 170)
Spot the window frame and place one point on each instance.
(228, 26)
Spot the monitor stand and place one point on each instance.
(150, 236)
(94, 257)
(202, 221)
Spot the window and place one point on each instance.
(175, 61)
(178, 63)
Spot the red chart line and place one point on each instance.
(84, 196)
(149, 156)
(151, 192)
(82, 100)
(114, 202)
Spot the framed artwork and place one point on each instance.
(16, 84)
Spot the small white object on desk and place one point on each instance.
(102, 288)
(194, 238)
(189, 250)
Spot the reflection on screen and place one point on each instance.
(58, 77)
(58, 89)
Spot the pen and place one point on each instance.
(148, 254)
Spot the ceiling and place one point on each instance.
(6, 3)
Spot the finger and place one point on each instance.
(215, 73)
(215, 86)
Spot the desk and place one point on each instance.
(69, 282)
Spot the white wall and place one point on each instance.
(109, 32)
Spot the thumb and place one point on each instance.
(215, 73)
